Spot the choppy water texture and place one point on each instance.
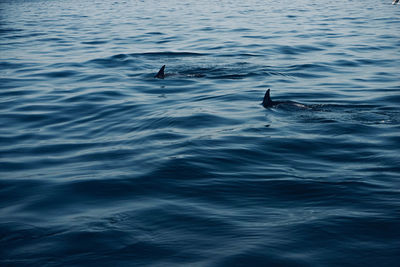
(103, 165)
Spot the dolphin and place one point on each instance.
(183, 74)
(160, 74)
(268, 103)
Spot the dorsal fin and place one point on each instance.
(160, 73)
(267, 102)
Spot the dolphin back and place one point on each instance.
(160, 74)
(267, 102)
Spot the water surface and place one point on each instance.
(101, 164)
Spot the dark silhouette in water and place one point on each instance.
(395, 2)
(268, 103)
(160, 74)
(185, 74)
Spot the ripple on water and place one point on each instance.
(102, 164)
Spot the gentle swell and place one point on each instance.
(103, 164)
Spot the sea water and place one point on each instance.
(101, 164)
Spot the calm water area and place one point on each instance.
(101, 164)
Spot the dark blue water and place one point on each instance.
(101, 164)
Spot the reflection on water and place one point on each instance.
(101, 163)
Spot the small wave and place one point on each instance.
(233, 76)
(154, 33)
(295, 50)
(168, 54)
(307, 75)
(378, 62)
(196, 121)
(110, 62)
(244, 55)
(11, 65)
(366, 48)
(9, 30)
(28, 35)
(120, 56)
(95, 42)
(311, 67)
(58, 74)
(345, 63)
(52, 39)
(94, 77)
(91, 97)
